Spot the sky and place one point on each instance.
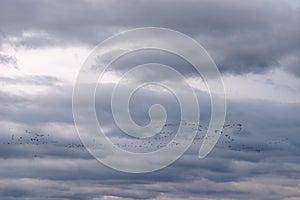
(255, 45)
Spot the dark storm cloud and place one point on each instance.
(240, 36)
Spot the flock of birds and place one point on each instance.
(230, 138)
(167, 134)
(29, 138)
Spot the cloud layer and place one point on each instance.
(255, 45)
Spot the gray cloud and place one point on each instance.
(267, 145)
(31, 80)
(8, 60)
(240, 36)
(41, 154)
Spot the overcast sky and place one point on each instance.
(256, 46)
